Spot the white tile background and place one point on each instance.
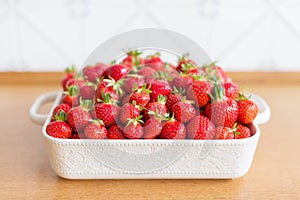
(243, 35)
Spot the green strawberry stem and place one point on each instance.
(73, 90)
(161, 99)
(61, 116)
(115, 84)
(71, 69)
(87, 104)
(135, 121)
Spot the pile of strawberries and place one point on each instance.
(147, 98)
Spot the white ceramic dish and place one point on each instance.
(137, 159)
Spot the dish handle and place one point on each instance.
(35, 117)
(264, 112)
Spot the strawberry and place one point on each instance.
(190, 69)
(147, 73)
(241, 131)
(114, 132)
(200, 128)
(87, 90)
(158, 107)
(111, 87)
(224, 133)
(247, 110)
(173, 129)
(134, 129)
(140, 96)
(222, 111)
(106, 111)
(152, 128)
(125, 99)
(78, 80)
(184, 60)
(154, 61)
(79, 117)
(199, 92)
(131, 81)
(182, 81)
(95, 130)
(70, 74)
(92, 73)
(231, 90)
(212, 70)
(133, 59)
(71, 97)
(60, 107)
(116, 72)
(172, 99)
(183, 111)
(159, 87)
(77, 136)
(59, 129)
(129, 111)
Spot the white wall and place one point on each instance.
(243, 35)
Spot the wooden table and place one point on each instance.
(25, 172)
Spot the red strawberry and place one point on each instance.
(241, 131)
(111, 87)
(172, 99)
(78, 80)
(125, 99)
(133, 59)
(199, 92)
(95, 130)
(61, 107)
(222, 111)
(247, 111)
(87, 90)
(221, 72)
(200, 128)
(77, 136)
(231, 90)
(79, 117)
(154, 61)
(106, 111)
(140, 96)
(70, 74)
(190, 69)
(184, 60)
(224, 133)
(131, 81)
(212, 70)
(158, 107)
(114, 132)
(116, 72)
(59, 129)
(159, 87)
(129, 111)
(71, 97)
(152, 128)
(134, 129)
(182, 81)
(183, 111)
(173, 129)
(147, 73)
(92, 73)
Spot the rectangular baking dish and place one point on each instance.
(148, 159)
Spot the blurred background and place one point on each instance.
(243, 35)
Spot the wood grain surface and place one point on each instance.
(26, 174)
